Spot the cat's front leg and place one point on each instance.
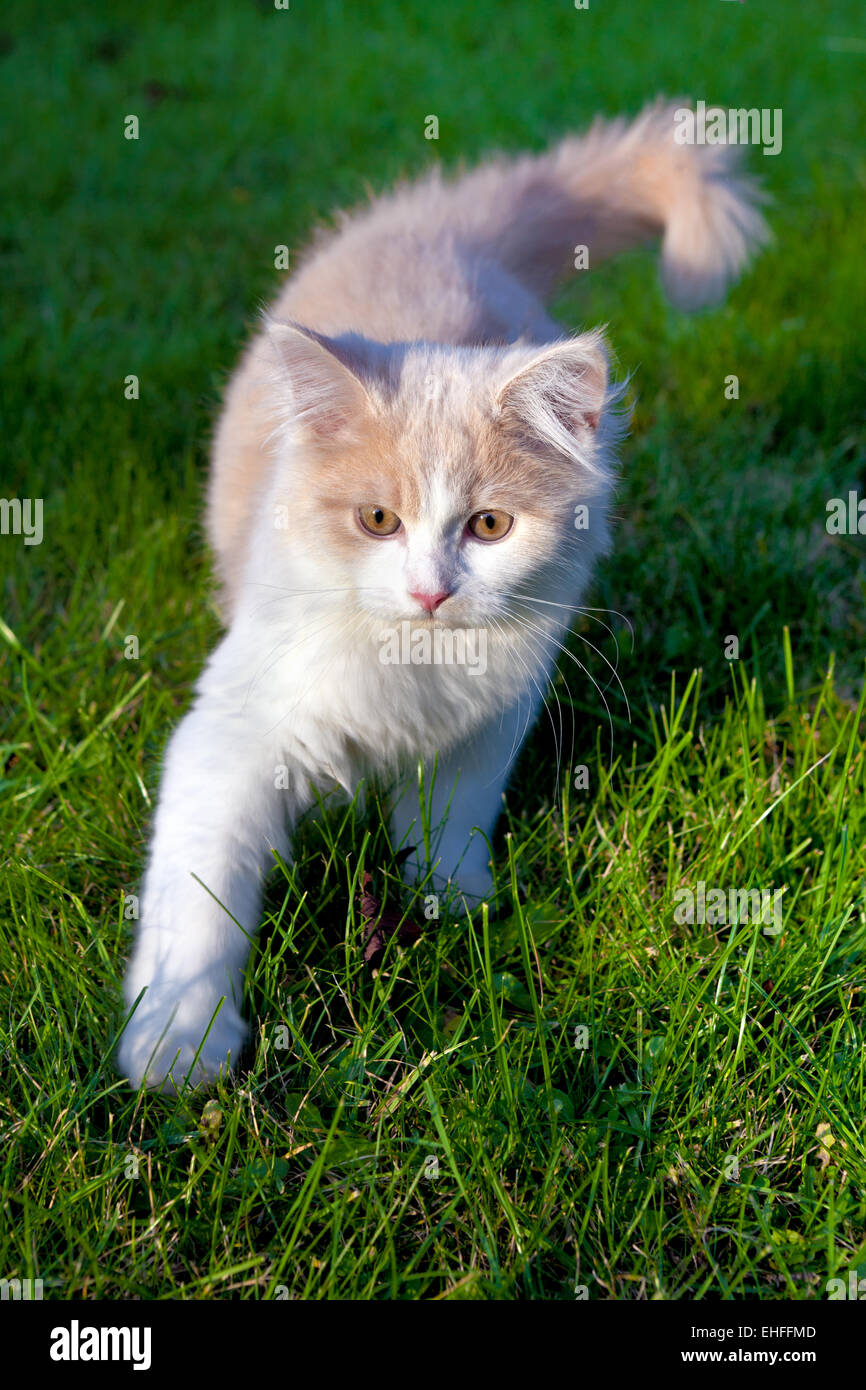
(463, 796)
(220, 814)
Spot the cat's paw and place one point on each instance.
(162, 1046)
(475, 886)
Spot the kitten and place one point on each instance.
(402, 448)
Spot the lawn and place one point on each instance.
(585, 1096)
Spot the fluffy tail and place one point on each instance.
(614, 187)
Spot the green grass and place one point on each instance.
(442, 1128)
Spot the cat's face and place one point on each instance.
(447, 482)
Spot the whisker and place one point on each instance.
(583, 609)
(558, 741)
(614, 667)
(349, 588)
(529, 710)
(514, 742)
(310, 593)
(520, 619)
(319, 675)
(295, 638)
(598, 652)
(554, 692)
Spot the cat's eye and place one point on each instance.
(490, 526)
(379, 521)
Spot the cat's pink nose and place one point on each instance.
(430, 601)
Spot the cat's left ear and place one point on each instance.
(328, 399)
(558, 392)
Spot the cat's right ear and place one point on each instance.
(327, 398)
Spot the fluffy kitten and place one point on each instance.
(408, 435)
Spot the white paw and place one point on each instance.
(162, 1045)
(474, 885)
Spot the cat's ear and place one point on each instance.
(557, 392)
(328, 399)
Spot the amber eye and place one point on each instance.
(379, 521)
(490, 526)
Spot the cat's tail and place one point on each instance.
(616, 186)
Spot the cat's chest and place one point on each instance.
(406, 691)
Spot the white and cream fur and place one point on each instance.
(408, 364)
